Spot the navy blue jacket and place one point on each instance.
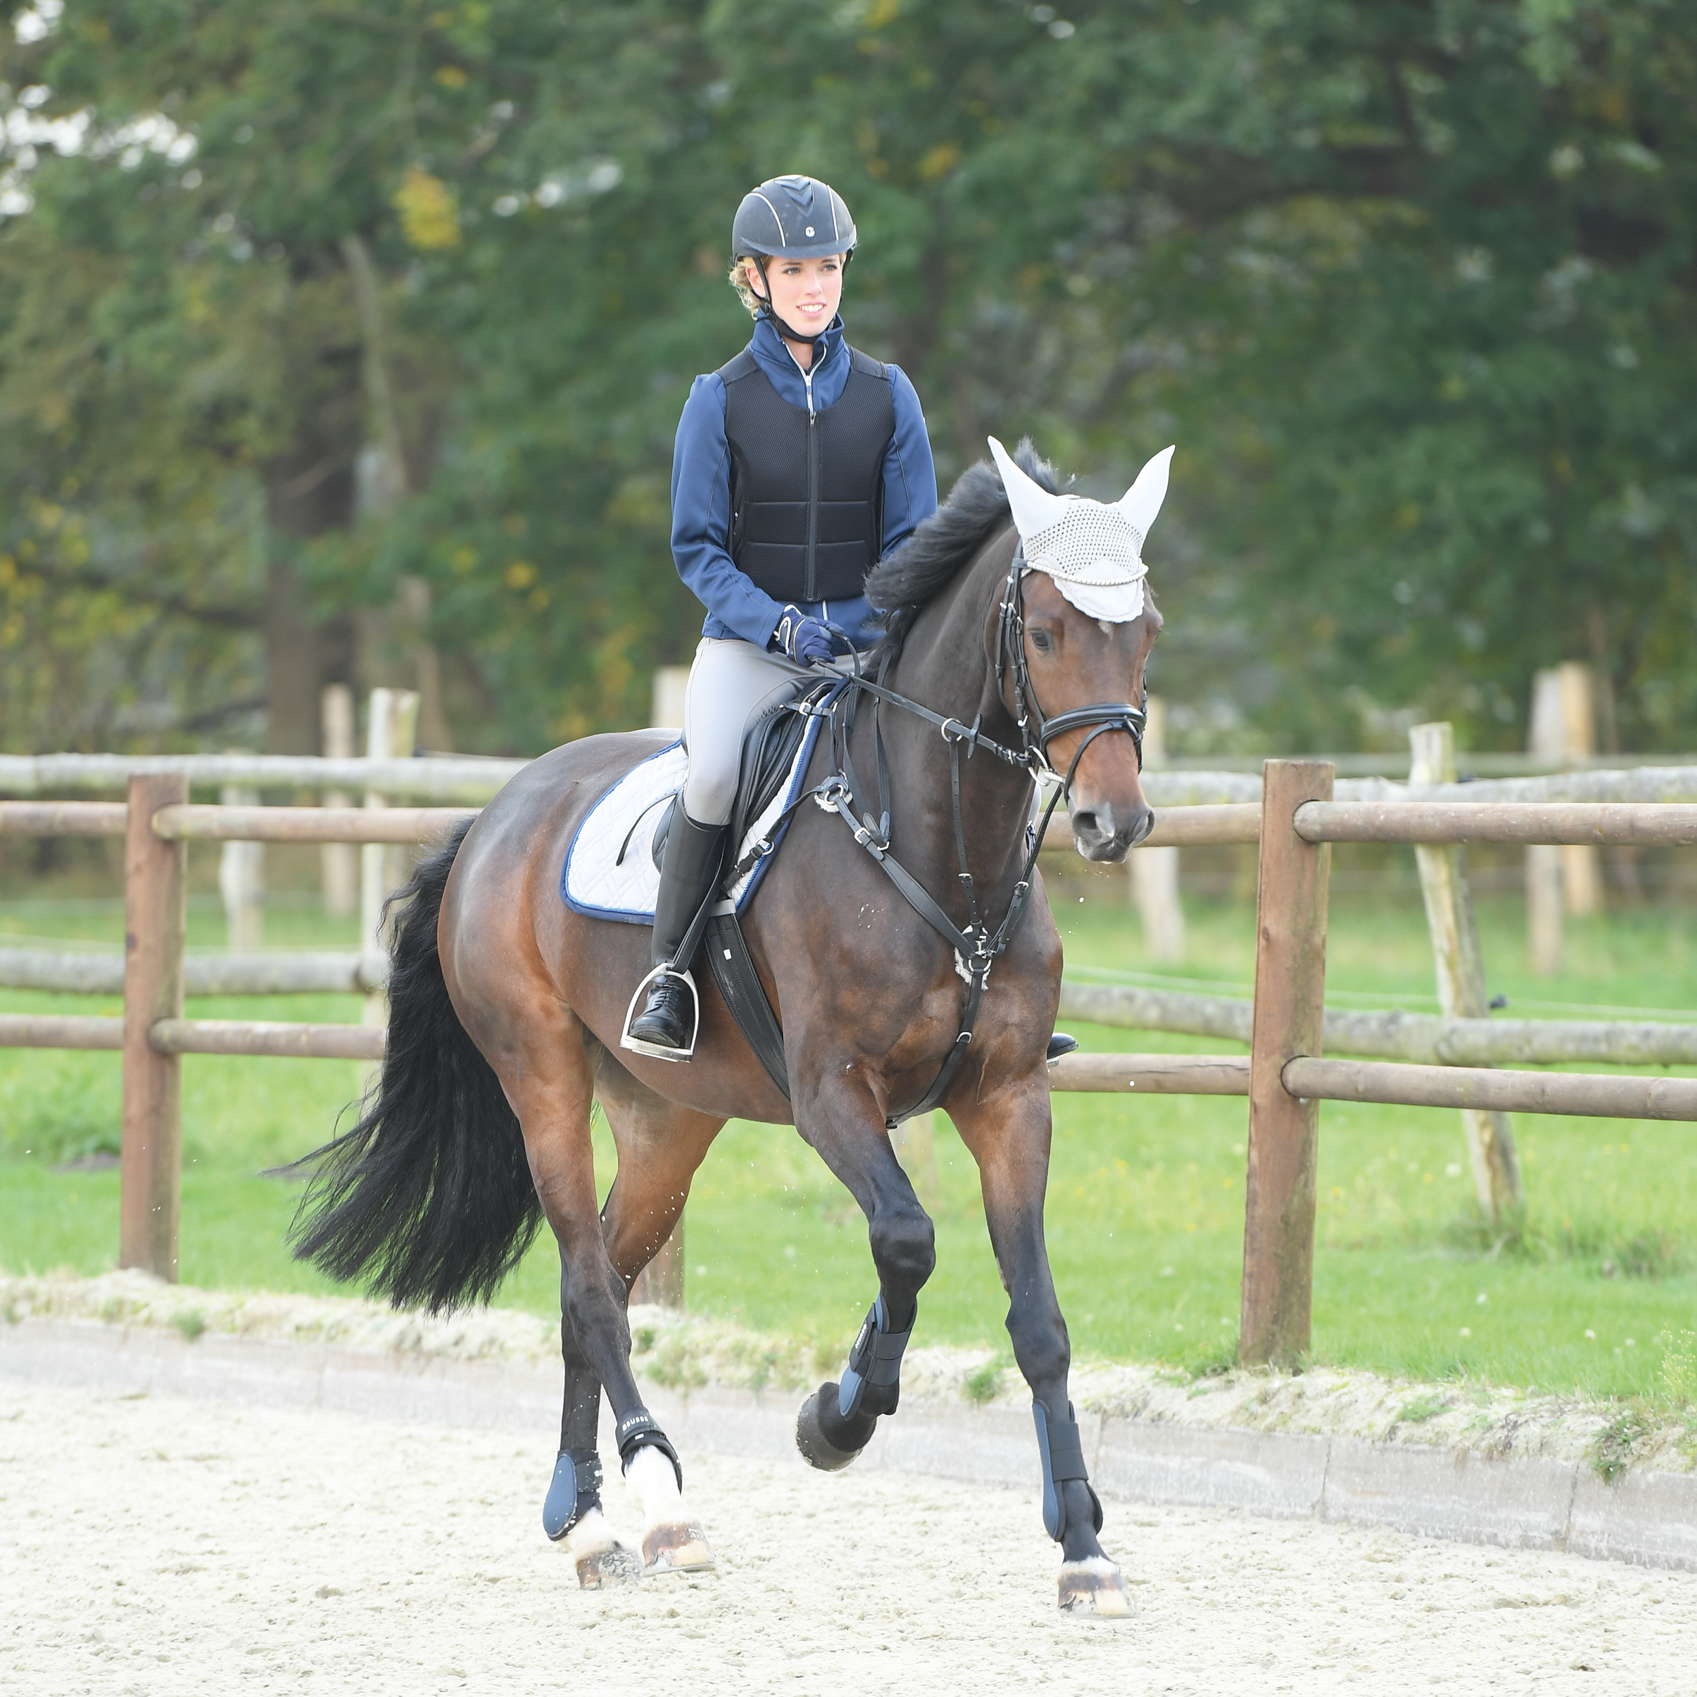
(701, 488)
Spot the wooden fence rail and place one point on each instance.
(100, 972)
(471, 780)
(1496, 822)
(1284, 1075)
(1604, 1095)
(1394, 1034)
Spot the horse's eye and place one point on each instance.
(1042, 641)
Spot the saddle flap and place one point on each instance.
(611, 864)
(769, 748)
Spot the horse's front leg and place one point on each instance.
(844, 1123)
(1008, 1134)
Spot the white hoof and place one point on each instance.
(1094, 1586)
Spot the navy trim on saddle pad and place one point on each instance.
(779, 806)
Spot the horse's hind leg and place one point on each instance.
(545, 1068)
(660, 1146)
(571, 1512)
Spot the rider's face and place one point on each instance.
(805, 292)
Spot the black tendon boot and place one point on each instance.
(665, 1025)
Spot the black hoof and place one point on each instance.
(824, 1437)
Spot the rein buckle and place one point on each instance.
(869, 840)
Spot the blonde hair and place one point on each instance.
(738, 279)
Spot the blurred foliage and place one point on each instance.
(1409, 284)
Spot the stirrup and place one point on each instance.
(637, 1001)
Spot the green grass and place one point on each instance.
(1593, 1293)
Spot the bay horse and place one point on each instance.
(506, 1007)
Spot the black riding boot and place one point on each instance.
(690, 864)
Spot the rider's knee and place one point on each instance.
(708, 794)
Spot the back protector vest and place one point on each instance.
(807, 488)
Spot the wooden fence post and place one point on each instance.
(1461, 972)
(1562, 730)
(391, 732)
(241, 878)
(1290, 988)
(1154, 871)
(155, 915)
(667, 701)
(1581, 863)
(341, 860)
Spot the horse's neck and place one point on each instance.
(947, 664)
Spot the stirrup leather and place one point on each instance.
(639, 1001)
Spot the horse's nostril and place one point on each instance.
(1084, 821)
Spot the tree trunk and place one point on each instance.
(307, 493)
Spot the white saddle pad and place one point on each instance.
(610, 871)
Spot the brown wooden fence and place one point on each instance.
(1284, 1077)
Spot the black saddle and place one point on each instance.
(769, 748)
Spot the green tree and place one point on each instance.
(368, 356)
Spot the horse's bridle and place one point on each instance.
(1013, 666)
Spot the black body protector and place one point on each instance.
(821, 546)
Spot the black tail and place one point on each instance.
(428, 1199)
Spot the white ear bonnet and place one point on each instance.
(1092, 550)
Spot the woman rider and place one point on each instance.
(797, 467)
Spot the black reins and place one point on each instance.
(977, 948)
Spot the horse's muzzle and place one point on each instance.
(1101, 833)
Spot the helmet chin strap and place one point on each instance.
(786, 331)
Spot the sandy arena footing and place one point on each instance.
(237, 1539)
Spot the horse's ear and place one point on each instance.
(1034, 508)
(1142, 501)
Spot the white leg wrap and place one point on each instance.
(651, 1475)
(590, 1536)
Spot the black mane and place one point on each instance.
(900, 585)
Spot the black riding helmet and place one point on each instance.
(791, 218)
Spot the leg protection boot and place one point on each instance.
(665, 1024)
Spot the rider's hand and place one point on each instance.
(803, 639)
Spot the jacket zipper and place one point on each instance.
(809, 588)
